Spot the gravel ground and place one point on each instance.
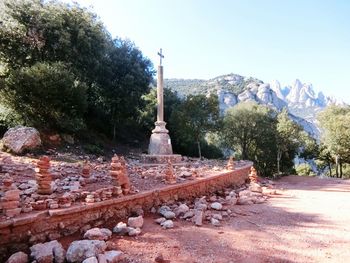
(307, 222)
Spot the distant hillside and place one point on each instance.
(300, 98)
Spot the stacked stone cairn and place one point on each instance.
(169, 173)
(253, 176)
(230, 164)
(119, 173)
(10, 200)
(85, 173)
(43, 177)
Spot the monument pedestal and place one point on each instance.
(160, 149)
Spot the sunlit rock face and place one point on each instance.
(299, 98)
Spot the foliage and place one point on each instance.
(110, 75)
(124, 78)
(258, 133)
(249, 129)
(46, 96)
(304, 169)
(287, 138)
(231, 82)
(194, 118)
(148, 112)
(335, 124)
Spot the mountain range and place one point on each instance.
(300, 98)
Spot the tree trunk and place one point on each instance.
(340, 169)
(330, 169)
(114, 130)
(336, 166)
(199, 149)
(279, 155)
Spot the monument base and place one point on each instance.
(160, 143)
(161, 159)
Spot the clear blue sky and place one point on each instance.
(267, 39)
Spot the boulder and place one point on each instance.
(98, 233)
(20, 138)
(160, 220)
(254, 187)
(181, 210)
(18, 257)
(217, 216)
(101, 258)
(198, 217)
(215, 222)
(121, 229)
(134, 231)
(167, 224)
(163, 209)
(48, 252)
(91, 260)
(188, 214)
(80, 250)
(169, 214)
(232, 200)
(216, 206)
(135, 222)
(113, 256)
(245, 200)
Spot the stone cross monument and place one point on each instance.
(160, 143)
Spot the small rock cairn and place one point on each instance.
(43, 177)
(230, 164)
(169, 173)
(120, 174)
(85, 173)
(253, 176)
(10, 201)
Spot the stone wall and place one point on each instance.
(17, 233)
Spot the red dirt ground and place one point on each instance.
(307, 222)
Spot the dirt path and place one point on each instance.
(308, 222)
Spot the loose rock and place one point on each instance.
(19, 257)
(91, 260)
(98, 234)
(135, 222)
(121, 229)
(216, 206)
(80, 250)
(167, 224)
(48, 252)
(113, 256)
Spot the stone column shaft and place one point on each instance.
(160, 97)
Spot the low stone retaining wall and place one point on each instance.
(16, 234)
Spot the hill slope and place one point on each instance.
(299, 98)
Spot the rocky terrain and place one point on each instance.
(99, 244)
(299, 98)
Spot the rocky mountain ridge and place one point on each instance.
(300, 98)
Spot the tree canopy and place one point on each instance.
(62, 54)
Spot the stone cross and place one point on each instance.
(160, 57)
(160, 102)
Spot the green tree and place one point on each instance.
(249, 129)
(148, 111)
(287, 137)
(335, 124)
(194, 118)
(114, 72)
(125, 77)
(47, 96)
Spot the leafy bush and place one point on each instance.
(47, 95)
(93, 149)
(304, 169)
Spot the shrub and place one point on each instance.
(304, 169)
(47, 95)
